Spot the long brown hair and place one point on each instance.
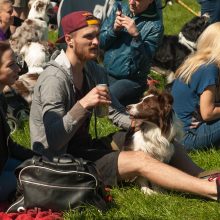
(208, 51)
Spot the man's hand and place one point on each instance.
(117, 24)
(129, 24)
(97, 96)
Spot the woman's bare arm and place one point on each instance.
(208, 108)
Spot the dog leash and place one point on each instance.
(184, 5)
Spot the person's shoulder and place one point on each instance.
(177, 84)
(210, 68)
(155, 25)
(50, 74)
(205, 75)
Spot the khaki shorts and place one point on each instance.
(20, 3)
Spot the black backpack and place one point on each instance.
(63, 184)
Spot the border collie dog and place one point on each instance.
(158, 127)
(174, 49)
(35, 27)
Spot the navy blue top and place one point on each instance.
(187, 96)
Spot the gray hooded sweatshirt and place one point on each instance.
(56, 115)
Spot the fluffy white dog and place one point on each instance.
(35, 27)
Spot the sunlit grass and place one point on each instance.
(129, 202)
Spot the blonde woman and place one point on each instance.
(196, 92)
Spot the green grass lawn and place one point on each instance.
(130, 203)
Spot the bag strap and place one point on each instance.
(68, 158)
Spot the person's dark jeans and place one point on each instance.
(212, 7)
(8, 180)
(126, 91)
(205, 136)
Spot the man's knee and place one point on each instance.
(142, 160)
(132, 163)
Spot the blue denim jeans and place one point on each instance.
(205, 136)
(8, 181)
(126, 91)
(212, 7)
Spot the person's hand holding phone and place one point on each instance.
(117, 24)
(122, 21)
(119, 8)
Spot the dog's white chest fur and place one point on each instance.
(150, 140)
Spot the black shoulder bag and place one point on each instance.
(63, 184)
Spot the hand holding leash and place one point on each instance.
(187, 7)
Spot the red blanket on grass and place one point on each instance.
(32, 214)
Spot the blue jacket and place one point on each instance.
(126, 57)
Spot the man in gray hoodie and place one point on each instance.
(64, 97)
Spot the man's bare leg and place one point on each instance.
(131, 164)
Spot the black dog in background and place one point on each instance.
(175, 48)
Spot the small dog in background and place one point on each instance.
(35, 27)
(175, 48)
(19, 95)
(35, 54)
(158, 127)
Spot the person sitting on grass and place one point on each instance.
(11, 154)
(129, 38)
(64, 98)
(196, 92)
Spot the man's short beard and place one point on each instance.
(81, 56)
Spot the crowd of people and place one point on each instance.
(66, 94)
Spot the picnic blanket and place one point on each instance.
(32, 214)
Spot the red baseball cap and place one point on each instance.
(75, 21)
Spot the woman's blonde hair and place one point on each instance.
(208, 51)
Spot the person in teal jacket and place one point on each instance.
(129, 38)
